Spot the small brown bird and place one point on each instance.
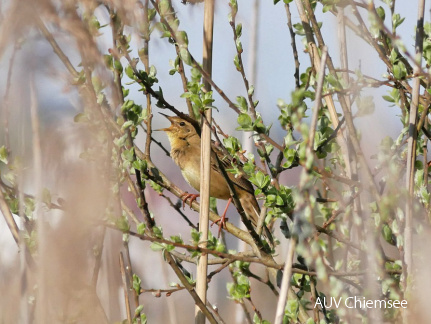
(186, 153)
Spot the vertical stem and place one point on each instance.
(98, 258)
(343, 48)
(146, 62)
(317, 102)
(293, 44)
(425, 162)
(42, 308)
(172, 312)
(254, 42)
(205, 167)
(411, 157)
(287, 272)
(4, 209)
(129, 274)
(6, 102)
(125, 289)
(247, 138)
(170, 260)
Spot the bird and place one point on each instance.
(186, 152)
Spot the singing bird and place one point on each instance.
(186, 153)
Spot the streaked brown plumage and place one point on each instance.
(186, 153)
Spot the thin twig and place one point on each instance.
(98, 257)
(4, 208)
(125, 289)
(189, 287)
(293, 44)
(411, 157)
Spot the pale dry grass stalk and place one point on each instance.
(411, 159)
(205, 167)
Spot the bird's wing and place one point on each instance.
(226, 162)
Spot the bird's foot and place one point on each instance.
(222, 220)
(221, 223)
(186, 196)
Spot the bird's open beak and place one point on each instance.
(168, 129)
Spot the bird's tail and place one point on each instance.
(252, 210)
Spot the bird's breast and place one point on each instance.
(192, 176)
(188, 158)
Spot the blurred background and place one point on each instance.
(34, 81)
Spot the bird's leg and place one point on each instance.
(186, 196)
(222, 220)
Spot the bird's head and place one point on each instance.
(180, 129)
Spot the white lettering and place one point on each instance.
(337, 304)
(380, 303)
(347, 301)
(318, 302)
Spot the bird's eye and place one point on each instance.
(182, 124)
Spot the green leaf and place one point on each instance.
(80, 118)
(155, 246)
(388, 98)
(242, 103)
(260, 180)
(238, 30)
(290, 156)
(245, 122)
(128, 155)
(291, 310)
(333, 81)
(137, 286)
(234, 7)
(400, 71)
(381, 13)
(236, 62)
(196, 236)
(365, 105)
(397, 20)
(182, 38)
(4, 155)
(139, 164)
(158, 232)
(238, 45)
(108, 60)
(176, 239)
(185, 56)
(164, 7)
(153, 71)
(157, 188)
(151, 13)
(130, 73)
(139, 309)
(393, 58)
(299, 29)
(250, 91)
(387, 234)
(46, 197)
(122, 224)
(117, 66)
(140, 228)
(120, 141)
